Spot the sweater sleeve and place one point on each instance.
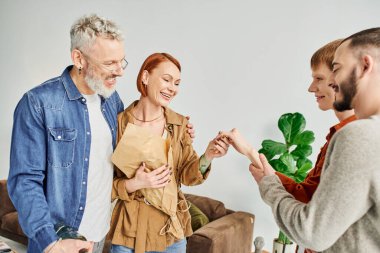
(301, 191)
(341, 199)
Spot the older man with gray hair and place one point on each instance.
(63, 136)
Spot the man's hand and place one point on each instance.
(258, 172)
(190, 129)
(70, 246)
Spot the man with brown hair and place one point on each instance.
(321, 67)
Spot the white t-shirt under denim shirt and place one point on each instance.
(96, 218)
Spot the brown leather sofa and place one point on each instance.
(227, 232)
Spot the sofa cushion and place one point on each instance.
(198, 218)
(9, 222)
(213, 209)
(6, 203)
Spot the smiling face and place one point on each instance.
(104, 64)
(320, 86)
(162, 83)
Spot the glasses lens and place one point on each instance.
(124, 63)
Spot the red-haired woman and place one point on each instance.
(137, 226)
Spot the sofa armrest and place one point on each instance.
(6, 203)
(231, 233)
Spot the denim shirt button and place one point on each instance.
(84, 182)
(59, 137)
(83, 100)
(88, 133)
(81, 208)
(86, 159)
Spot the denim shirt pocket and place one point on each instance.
(61, 145)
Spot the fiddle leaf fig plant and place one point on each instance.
(290, 156)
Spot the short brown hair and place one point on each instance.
(151, 63)
(325, 55)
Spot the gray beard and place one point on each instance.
(98, 86)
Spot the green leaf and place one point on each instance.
(285, 125)
(268, 153)
(291, 124)
(298, 125)
(305, 167)
(289, 162)
(302, 151)
(275, 147)
(278, 165)
(304, 138)
(282, 238)
(299, 178)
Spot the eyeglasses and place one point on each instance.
(112, 66)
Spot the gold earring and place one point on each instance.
(80, 70)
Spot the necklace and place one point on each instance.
(159, 117)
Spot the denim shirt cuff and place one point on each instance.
(45, 236)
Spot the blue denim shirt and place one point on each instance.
(49, 157)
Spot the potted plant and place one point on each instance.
(289, 158)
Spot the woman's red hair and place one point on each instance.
(151, 63)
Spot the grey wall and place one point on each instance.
(244, 64)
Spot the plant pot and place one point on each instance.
(283, 248)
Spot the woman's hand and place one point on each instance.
(265, 169)
(157, 178)
(218, 147)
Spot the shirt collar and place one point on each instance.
(338, 126)
(71, 89)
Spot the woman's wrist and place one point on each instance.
(253, 156)
(130, 185)
(208, 157)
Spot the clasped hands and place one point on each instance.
(259, 166)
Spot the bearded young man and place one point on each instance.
(344, 213)
(63, 136)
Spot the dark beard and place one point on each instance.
(348, 90)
